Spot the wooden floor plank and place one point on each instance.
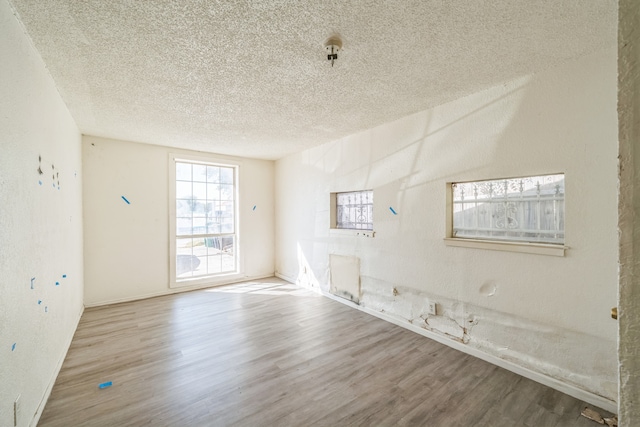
(269, 353)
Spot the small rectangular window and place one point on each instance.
(529, 209)
(353, 210)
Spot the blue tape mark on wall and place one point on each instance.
(64, 276)
(254, 207)
(393, 211)
(57, 283)
(105, 385)
(13, 347)
(40, 182)
(125, 199)
(54, 185)
(39, 301)
(32, 280)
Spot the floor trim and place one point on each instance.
(170, 291)
(56, 372)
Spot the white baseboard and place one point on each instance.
(170, 291)
(569, 389)
(52, 381)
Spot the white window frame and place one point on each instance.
(212, 279)
(333, 220)
(552, 249)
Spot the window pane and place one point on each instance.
(183, 171)
(213, 227)
(226, 209)
(186, 263)
(529, 209)
(228, 254)
(184, 208)
(226, 175)
(183, 190)
(227, 225)
(354, 210)
(213, 174)
(199, 225)
(184, 226)
(214, 264)
(226, 192)
(213, 191)
(199, 173)
(200, 251)
(199, 190)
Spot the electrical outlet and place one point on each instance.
(432, 308)
(16, 411)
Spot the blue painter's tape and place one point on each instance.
(393, 211)
(40, 182)
(32, 280)
(105, 385)
(125, 199)
(254, 207)
(13, 347)
(64, 276)
(39, 301)
(57, 283)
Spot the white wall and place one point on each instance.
(127, 246)
(40, 226)
(550, 315)
(629, 211)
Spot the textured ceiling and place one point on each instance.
(251, 78)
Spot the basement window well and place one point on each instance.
(352, 212)
(203, 220)
(515, 214)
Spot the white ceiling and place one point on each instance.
(251, 78)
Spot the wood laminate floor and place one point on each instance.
(269, 353)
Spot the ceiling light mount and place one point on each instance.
(333, 45)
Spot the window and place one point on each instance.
(204, 222)
(353, 210)
(529, 209)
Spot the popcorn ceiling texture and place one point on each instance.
(250, 78)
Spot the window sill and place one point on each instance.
(350, 232)
(495, 245)
(212, 280)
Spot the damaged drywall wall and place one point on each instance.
(547, 315)
(345, 277)
(505, 336)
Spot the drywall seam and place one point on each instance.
(569, 389)
(56, 372)
(179, 290)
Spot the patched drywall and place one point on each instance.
(345, 277)
(126, 210)
(629, 211)
(41, 277)
(547, 314)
